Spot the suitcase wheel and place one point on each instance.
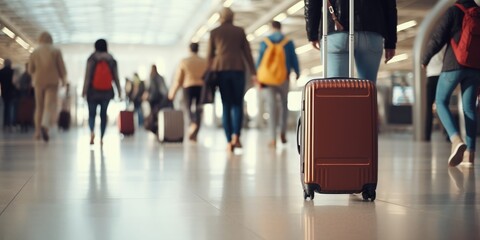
(369, 194)
(310, 194)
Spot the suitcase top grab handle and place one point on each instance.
(325, 16)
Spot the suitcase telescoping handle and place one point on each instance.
(351, 35)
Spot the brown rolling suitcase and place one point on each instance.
(337, 135)
(26, 111)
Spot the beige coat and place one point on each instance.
(46, 66)
(229, 50)
(189, 73)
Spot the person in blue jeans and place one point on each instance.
(96, 97)
(229, 55)
(375, 30)
(453, 73)
(272, 91)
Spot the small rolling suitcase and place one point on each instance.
(170, 125)
(125, 123)
(337, 135)
(64, 119)
(25, 112)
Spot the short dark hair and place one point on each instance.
(101, 45)
(194, 47)
(276, 25)
(7, 62)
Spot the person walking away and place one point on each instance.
(26, 103)
(434, 69)
(6, 84)
(230, 56)
(25, 83)
(157, 94)
(189, 76)
(128, 88)
(461, 65)
(138, 88)
(375, 25)
(47, 69)
(267, 64)
(97, 88)
(156, 97)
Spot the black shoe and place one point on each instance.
(44, 132)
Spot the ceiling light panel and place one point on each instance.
(120, 21)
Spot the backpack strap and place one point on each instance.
(268, 42)
(463, 8)
(282, 43)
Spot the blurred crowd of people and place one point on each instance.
(16, 90)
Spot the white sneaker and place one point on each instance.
(457, 154)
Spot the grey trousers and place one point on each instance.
(276, 99)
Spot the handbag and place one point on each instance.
(210, 78)
(211, 81)
(338, 25)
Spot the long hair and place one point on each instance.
(154, 71)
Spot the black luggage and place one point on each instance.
(64, 119)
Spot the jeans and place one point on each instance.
(432, 82)
(232, 90)
(368, 53)
(8, 112)
(92, 113)
(468, 79)
(277, 120)
(137, 107)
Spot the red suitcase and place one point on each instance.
(337, 134)
(26, 111)
(125, 123)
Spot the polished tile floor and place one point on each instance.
(136, 188)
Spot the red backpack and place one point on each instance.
(467, 50)
(102, 77)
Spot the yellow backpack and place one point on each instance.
(273, 67)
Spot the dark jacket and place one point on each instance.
(25, 82)
(449, 27)
(88, 90)
(229, 50)
(6, 82)
(157, 90)
(379, 16)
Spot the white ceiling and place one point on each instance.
(166, 22)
